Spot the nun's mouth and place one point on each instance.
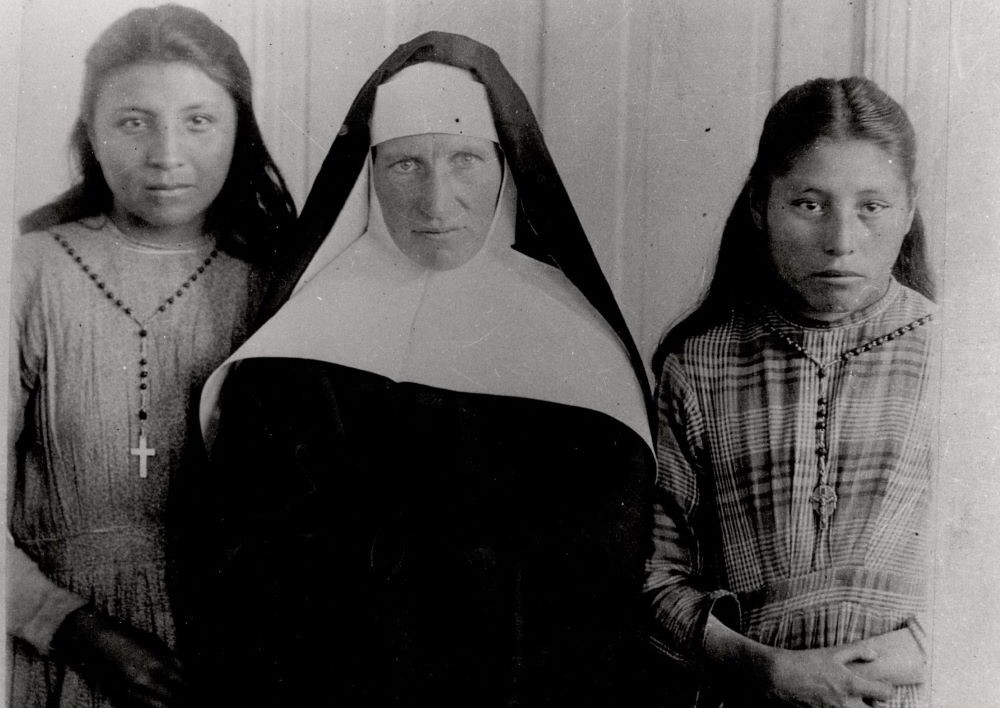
(438, 234)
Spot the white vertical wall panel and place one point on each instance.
(511, 27)
(967, 581)
(818, 39)
(709, 77)
(347, 40)
(587, 97)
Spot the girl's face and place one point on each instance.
(835, 224)
(164, 135)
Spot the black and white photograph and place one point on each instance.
(501, 353)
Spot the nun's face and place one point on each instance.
(438, 194)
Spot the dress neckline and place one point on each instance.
(121, 239)
(858, 317)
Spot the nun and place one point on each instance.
(430, 469)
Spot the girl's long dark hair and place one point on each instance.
(254, 207)
(854, 108)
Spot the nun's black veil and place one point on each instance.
(377, 542)
(547, 225)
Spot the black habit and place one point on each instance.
(374, 542)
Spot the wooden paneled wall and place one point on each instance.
(652, 109)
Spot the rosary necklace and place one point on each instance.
(143, 451)
(824, 496)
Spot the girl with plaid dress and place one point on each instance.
(794, 442)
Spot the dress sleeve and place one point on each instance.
(36, 606)
(677, 583)
(24, 351)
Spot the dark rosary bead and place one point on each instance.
(108, 294)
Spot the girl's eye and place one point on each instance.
(132, 124)
(872, 208)
(808, 206)
(200, 121)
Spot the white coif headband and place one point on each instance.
(431, 98)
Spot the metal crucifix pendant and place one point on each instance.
(824, 501)
(143, 453)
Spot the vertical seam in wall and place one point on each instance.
(542, 54)
(389, 25)
(859, 58)
(654, 14)
(779, 17)
(936, 482)
(867, 52)
(306, 163)
(952, 47)
(908, 55)
(621, 148)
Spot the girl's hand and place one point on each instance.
(901, 658)
(822, 678)
(135, 668)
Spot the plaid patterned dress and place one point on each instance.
(745, 416)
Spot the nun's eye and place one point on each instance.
(466, 159)
(405, 165)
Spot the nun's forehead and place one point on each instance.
(431, 98)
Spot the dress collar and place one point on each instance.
(798, 321)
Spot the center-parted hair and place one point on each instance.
(254, 206)
(853, 108)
